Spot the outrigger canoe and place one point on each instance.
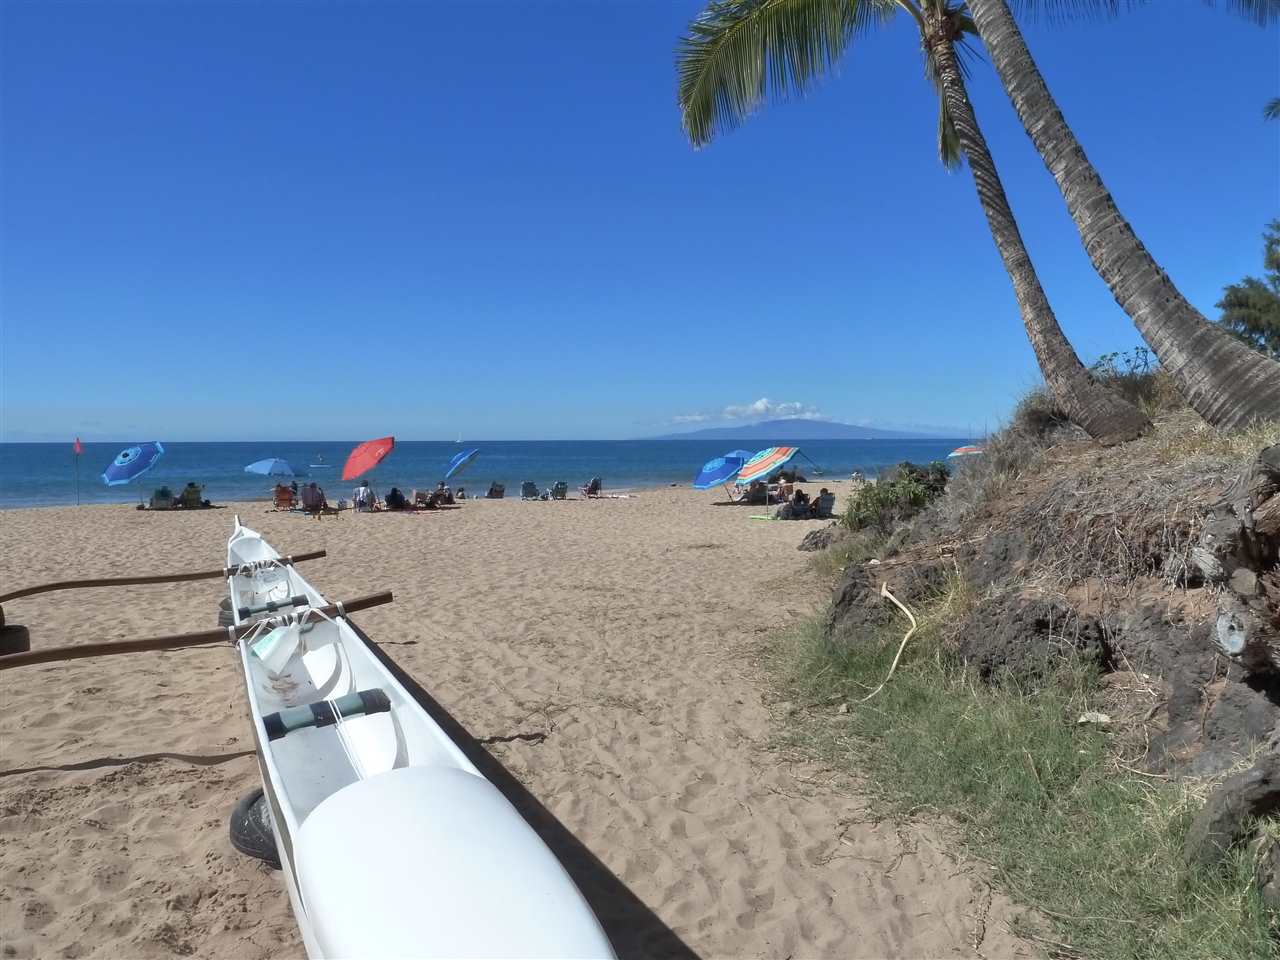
(392, 844)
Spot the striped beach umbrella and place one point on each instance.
(965, 451)
(765, 464)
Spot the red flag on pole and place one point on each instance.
(77, 447)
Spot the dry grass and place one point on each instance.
(1107, 514)
(1186, 438)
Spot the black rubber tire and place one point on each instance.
(251, 831)
(14, 638)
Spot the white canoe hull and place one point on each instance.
(392, 844)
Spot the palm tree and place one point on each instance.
(739, 50)
(1228, 384)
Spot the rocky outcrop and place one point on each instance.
(1238, 551)
(823, 537)
(1027, 639)
(859, 612)
(1227, 816)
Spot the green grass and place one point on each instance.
(1093, 850)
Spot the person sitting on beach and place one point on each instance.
(396, 500)
(442, 495)
(363, 496)
(191, 496)
(283, 498)
(823, 504)
(313, 498)
(800, 502)
(757, 492)
(461, 494)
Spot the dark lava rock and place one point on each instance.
(823, 537)
(1225, 818)
(1026, 639)
(858, 610)
(1000, 558)
(1208, 728)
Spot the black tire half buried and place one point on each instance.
(251, 832)
(14, 638)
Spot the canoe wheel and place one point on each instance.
(251, 829)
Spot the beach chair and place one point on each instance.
(529, 491)
(593, 488)
(560, 490)
(162, 499)
(825, 506)
(496, 491)
(284, 498)
(192, 496)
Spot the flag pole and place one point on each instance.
(76, 449)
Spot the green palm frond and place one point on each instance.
(738, 52)
(1272, 110)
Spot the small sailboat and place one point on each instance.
(392, 844)
(320, 464)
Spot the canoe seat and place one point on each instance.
(433, 861)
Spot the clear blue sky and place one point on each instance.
(293, 220)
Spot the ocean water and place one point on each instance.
(44, 474)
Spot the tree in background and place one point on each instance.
(739, 51)
(1251, 308)
(1226, 383)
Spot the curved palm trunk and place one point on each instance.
(1103, 414)
(1228, 384)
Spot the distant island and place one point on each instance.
(799, 429)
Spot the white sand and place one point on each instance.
(620, 636)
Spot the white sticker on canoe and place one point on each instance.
(275, 648)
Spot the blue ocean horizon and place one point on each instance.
(44, 474)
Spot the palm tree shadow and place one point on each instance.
(634, 930)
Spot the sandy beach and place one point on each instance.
(606, 652)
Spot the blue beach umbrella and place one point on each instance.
(716, 472)
(743, 455)
(132, 462)
(272, 467)
(460, 461)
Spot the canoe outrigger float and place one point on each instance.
(391, 842)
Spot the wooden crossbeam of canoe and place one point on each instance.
(220, 574)
(178, 641)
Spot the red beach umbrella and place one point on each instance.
(367, 456)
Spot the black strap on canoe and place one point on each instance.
(271, 606)
(324, 713)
